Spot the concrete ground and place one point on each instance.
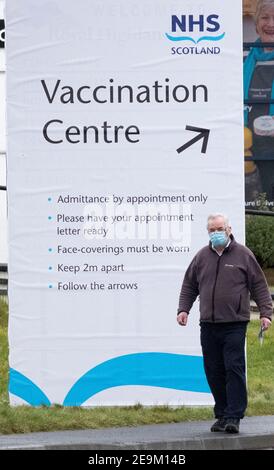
(255, 433)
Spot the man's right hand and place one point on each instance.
(182, 318)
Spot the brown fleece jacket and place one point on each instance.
(224, 284)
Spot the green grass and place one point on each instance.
(24, 419)
(260, 370)
(3, 352)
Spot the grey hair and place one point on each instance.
(260, 5)
(214, 216)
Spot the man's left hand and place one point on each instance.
(265, 323)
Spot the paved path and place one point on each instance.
(256, 433)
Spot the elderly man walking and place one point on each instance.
(223, 274)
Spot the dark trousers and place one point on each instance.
(223, 346)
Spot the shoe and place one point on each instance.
(232, 425)
(219, 425)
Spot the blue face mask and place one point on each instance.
(218, 239)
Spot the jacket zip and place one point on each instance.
(214, 288)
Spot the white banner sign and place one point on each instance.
(124, 132)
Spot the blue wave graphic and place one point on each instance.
(175, 371)
(180, 38)
(24, 388)
(211, 38)
(188, 38)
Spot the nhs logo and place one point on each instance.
(195, 28)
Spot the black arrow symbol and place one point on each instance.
(203, 134)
